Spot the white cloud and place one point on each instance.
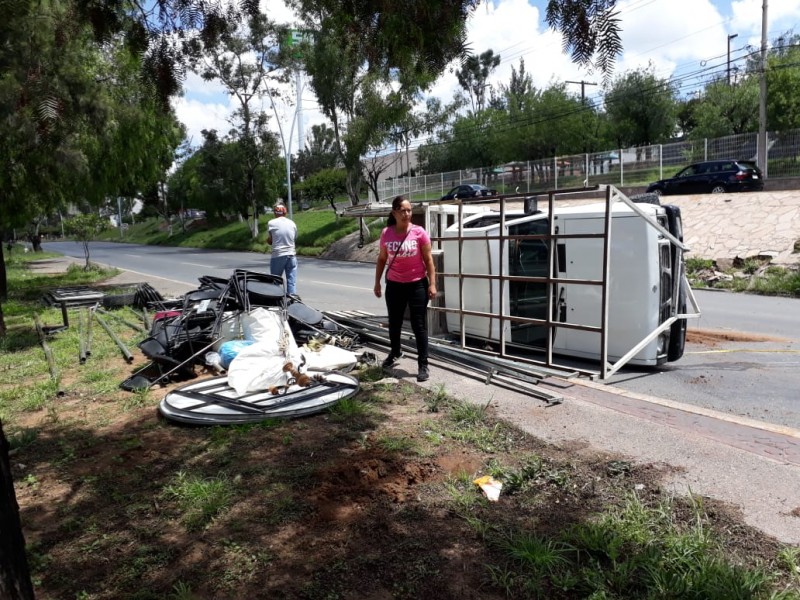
(678, 37)
(781, 16)
(197, 115)
(514, 30)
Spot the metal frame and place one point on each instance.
(612, 195)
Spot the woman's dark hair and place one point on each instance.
(396, 202)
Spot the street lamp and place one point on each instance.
(730, 37)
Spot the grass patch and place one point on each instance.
(316, 230)
(200, 499)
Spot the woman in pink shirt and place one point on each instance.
(405, 253)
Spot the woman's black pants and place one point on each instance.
(415, 296)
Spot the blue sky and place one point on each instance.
(683, 39)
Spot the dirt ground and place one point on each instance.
(366, 506)
(363, 505)
(347, 249)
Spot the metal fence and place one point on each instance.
(623, 167)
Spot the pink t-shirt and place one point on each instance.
(405, 261)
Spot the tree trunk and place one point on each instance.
(3, 276)
(3, 291)
(352, 182)
(15, 578)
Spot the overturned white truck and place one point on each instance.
(639, 282)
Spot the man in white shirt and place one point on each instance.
(282, 234)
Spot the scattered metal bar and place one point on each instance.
(133, 326)
(89, 315)
(64, 315)
(123, 348)
(48, 353)
(81, 337)
(493, 369)
(148, 324)
(459, 355)
(184, 363)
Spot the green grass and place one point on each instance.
(774, 280)
(629, 551)
(199, 499)
(316, 230)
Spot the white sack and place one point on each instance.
(259, 366)
(262, 324)
(329, 358)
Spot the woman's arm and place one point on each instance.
(380, 264)
(430, 268)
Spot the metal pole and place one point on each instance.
(81, 337)
(762, 104)
(122, 347)
(730, 37)
(119, 215)
(299, 109)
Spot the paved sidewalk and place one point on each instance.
(747, 463)
(167, 287)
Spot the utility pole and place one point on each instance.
(730, 37)
(762, 104)
(583, 85)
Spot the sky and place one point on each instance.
(685, 40)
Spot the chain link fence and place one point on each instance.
(623, 167)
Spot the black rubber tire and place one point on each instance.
(119, 300)
(718, 189)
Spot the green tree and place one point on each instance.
(79, 123)
(319, 153)
(215, 178)
(641, 108)
(86, 228)
(590, 29)
(327, 184)
(242, 58)
(726, 109)
(473, 76)
(783, 85)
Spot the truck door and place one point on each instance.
(528, 258)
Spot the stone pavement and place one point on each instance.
(747, 463)
(724, 226)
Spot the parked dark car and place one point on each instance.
(714, 176)
(469, 190)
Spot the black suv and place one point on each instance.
(714, 176)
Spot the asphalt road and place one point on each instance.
(755, 376)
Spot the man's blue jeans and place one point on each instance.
(278, 265)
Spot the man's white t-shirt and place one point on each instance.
(283, 232)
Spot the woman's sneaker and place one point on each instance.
(422, 374)
(391, 361)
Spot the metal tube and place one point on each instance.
(184, 363)
(124, 349)
(133, 326)
(81, 337)
(48, 353)
(89, 314)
